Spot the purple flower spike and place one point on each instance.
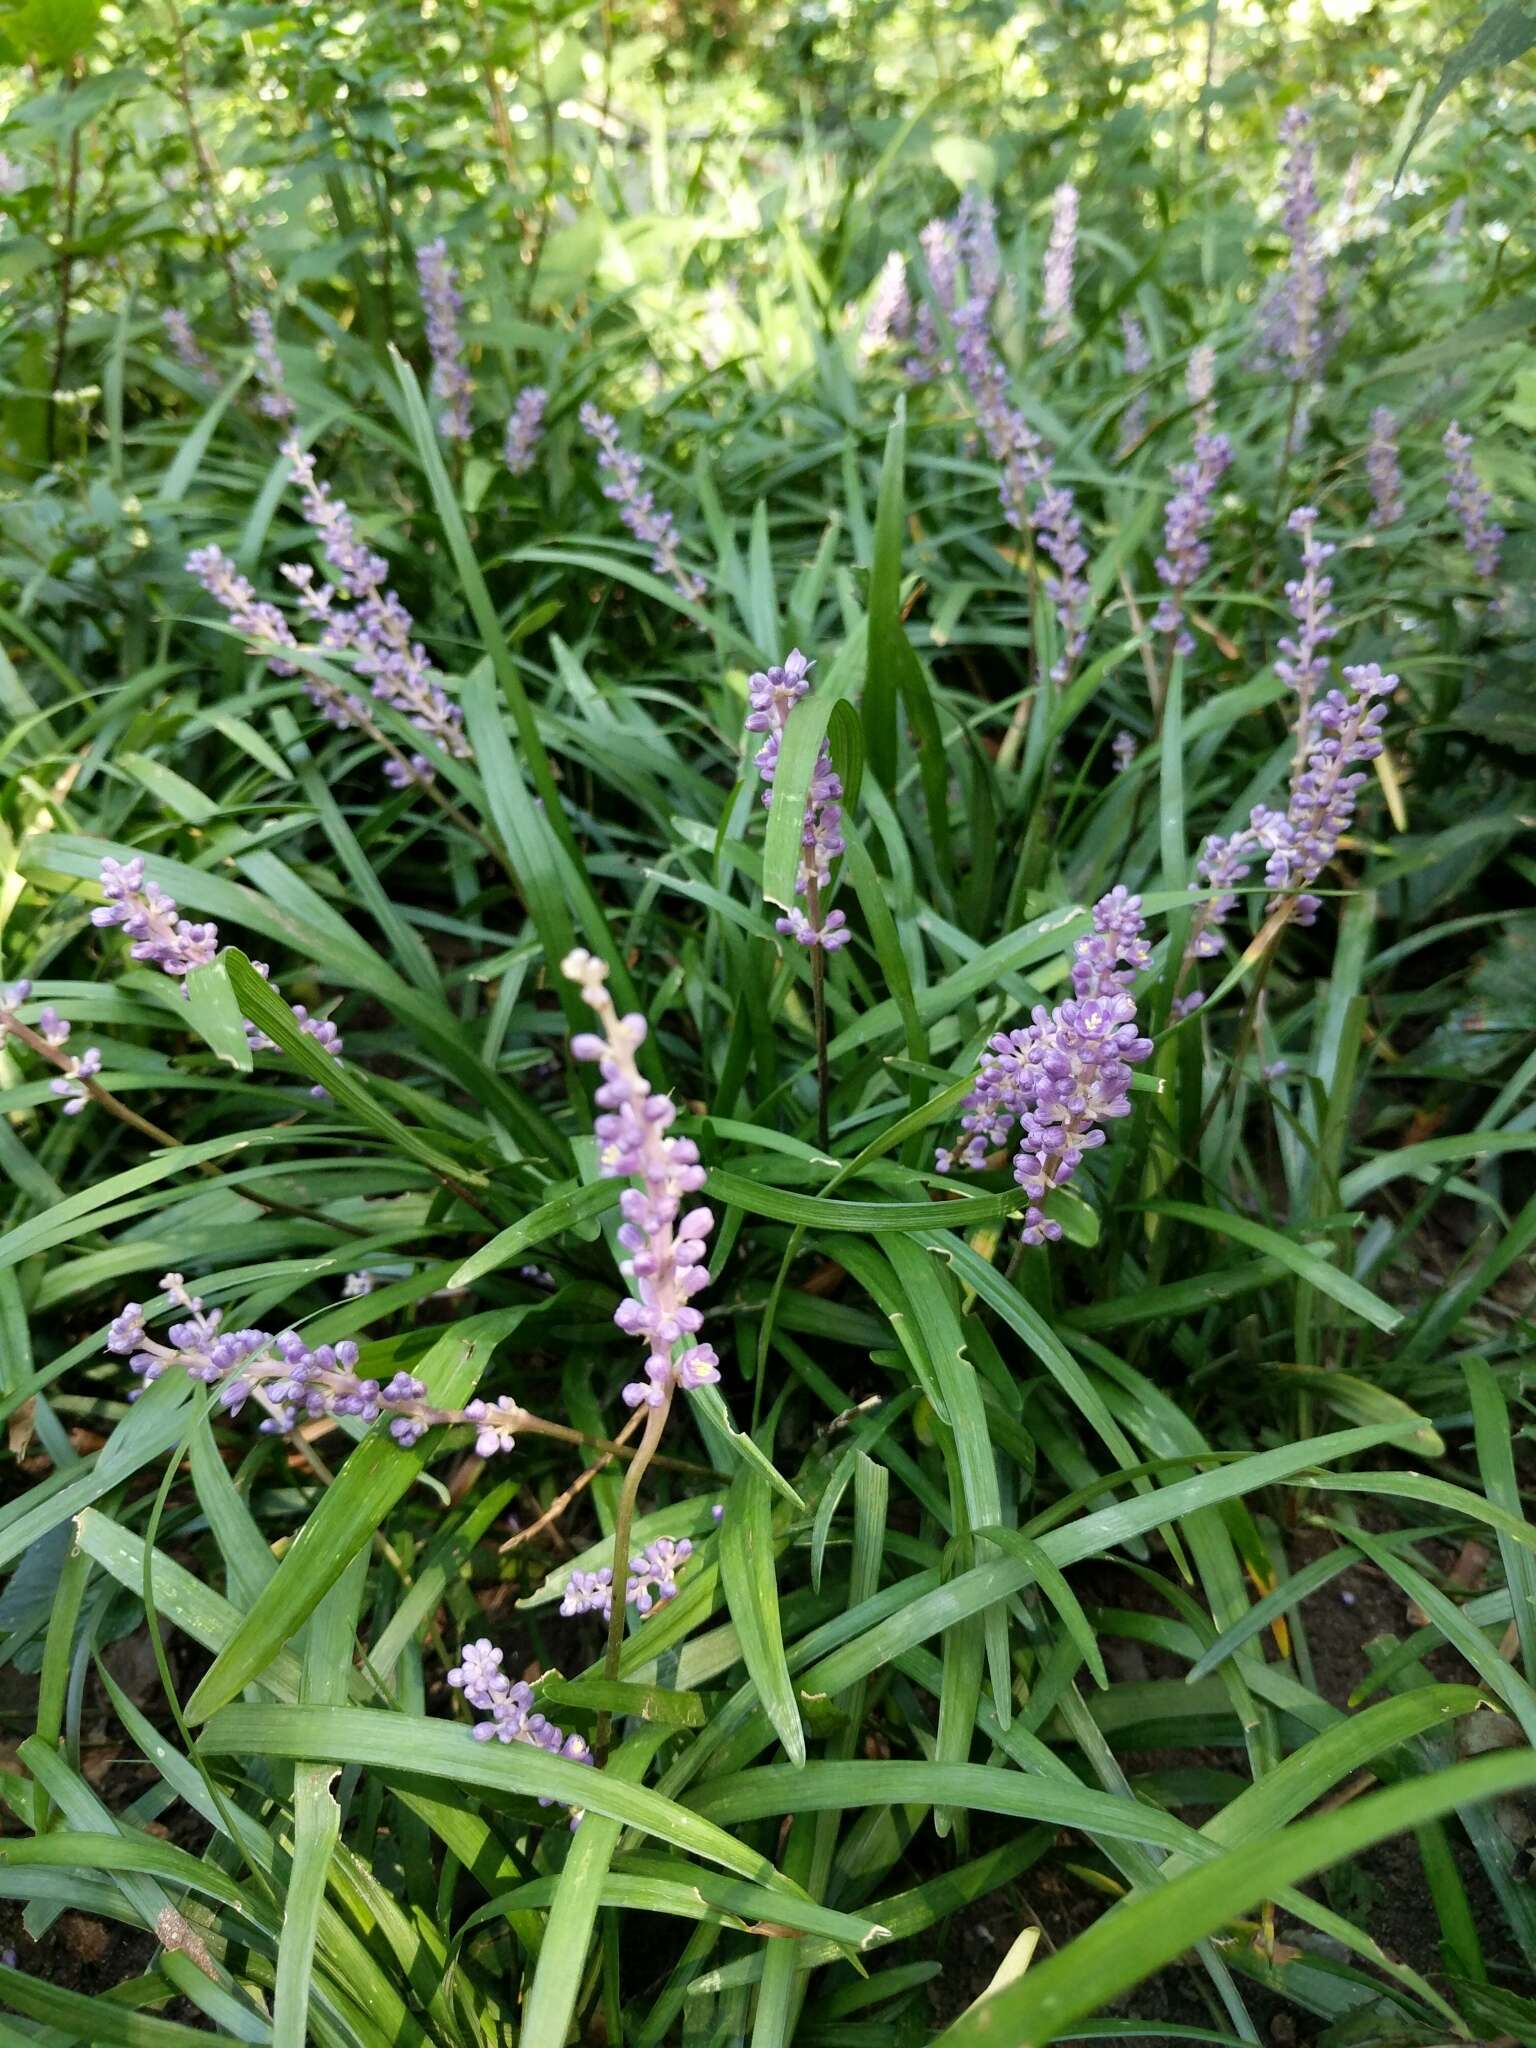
(773, 695)
(1123, 747)
(525, 429)
(1292, 331)
(1303, 664)
(667, 1248)
(1186, 550)
(1384, 470)
(888, 316)
(638, 509)
(589, 1593)
(509, 1706)
(374, 626)
(274, 402)
(1067, 1072)
(160, 935)
(940, 244)
(1472, 502)
(653, 1574)
(290, 1381)
(184, 344)
(1060, 261)
(1200, 385)
(440, 300)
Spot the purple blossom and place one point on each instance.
(479, 1676)
(1302, 663)
(1291, 314)
(441, 302)
(773, 695)
(1060, 260)
(1472, 502)
(1338, 733)
(374, 627)
(1200, 385)
(666, 1247)
(260, 623)
(1031, 499)
(70, 1084)
(940, 244)
(589, 1593)
(274, 402)
(184, 343)
(1136, 360)
(976, 243)
(1186, 550)
(1067, 1072)
(167, 940)
(1384, 470)
(160, 934)
(653, 1573)
(525, 429)
(286, 1378)
(356, 1285)
(1123, 748)
(638, 509)
(888, 315)
(1345, 731)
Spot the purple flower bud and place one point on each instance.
(638, 509)
(525, 428)
(441, 302)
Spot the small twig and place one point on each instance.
(577, 1487)
(115, 1106)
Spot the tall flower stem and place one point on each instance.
(819, 1011)
(623, 1521)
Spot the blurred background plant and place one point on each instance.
(458, 463)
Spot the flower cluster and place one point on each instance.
(1136, 360)
(184, 343)
(773, 695)
(888, 316)
(1200, 384)
(652, 1581)
(666, 1246)
(163, 938)
(1472, 502)
(374, 627)
(49, 1034)
(1338, 734)
(479, 1676)
(1060, 261)
(638, 509)
(1383, 470)
(1031, 498)
(1186, 551)
(274, 402)
(1067, 1072)
(1292, 314)
(1302, 662)
(290, 1381)
(525, 429)
(442, 305)
(1123, 748)
(940, 244)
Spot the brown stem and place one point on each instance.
(579, 1485)
(655, 1423)
(115, 1106)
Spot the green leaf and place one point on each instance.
(1135, 1939)
(1498, 39)
(748, 1577)
(1327, 1279)
(420, 1748)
